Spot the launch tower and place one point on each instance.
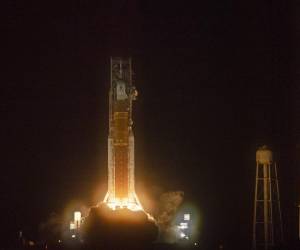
(121, 190)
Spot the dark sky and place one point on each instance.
(216, 80)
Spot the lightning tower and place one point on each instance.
(121, 190)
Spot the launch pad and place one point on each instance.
(121, 189)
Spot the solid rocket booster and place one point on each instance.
(121, 139)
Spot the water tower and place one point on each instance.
(267, 221)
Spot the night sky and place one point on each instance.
(216, 80)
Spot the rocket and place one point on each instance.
(121, 190)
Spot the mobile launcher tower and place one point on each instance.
(121, 190)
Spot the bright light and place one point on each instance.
(72, 225)
(182, 235)
(77, 216)
(195, 243)
(183, 225)
(124, 203)
(73, 236)
(186, 216)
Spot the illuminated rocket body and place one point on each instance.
(121, 191)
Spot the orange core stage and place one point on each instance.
(121, 190)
